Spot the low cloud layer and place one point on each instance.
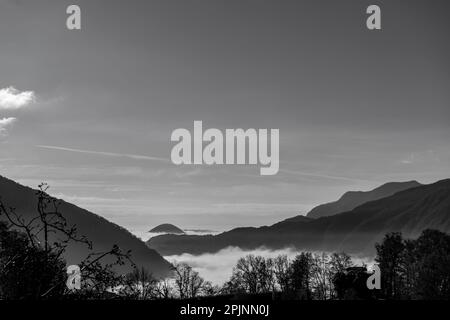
(217, 267)
(11, 98)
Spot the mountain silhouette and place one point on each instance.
(352, 199)
(410, 211)
(103, 233)
(167, 228)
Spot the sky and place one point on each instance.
(91, 111)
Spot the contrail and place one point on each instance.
(108, 154)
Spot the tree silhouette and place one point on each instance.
(390, 260)
(26, 271)
(188, 282)
(431, 266)
(37, 254)
(301, 275)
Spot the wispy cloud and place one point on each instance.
(4, 123)
(102, 153)
(11, 98)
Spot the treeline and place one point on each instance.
(409, 269)
(32, 267)
(308, 276)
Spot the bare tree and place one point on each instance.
(188, 281)
(140, 285)
(254, 274)
(321, 284)
(164, 289)
(282, 272)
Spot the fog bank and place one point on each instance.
(217, 267)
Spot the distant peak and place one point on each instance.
(167, 228)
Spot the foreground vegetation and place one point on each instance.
(32, 267)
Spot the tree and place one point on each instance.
(26, 271)
(188, 282)
(409, 270)
(321, 276)
(390, 260)
(140, 285)
(338, 263)
(301, 275)
(235, 285)
(254, 274)
(246, 273)
(432, 266)
(282, 267)
(350, 283)
(164, 289)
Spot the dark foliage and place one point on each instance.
(415, 269)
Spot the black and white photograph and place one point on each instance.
(223, 157)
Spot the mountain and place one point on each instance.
(352, 199)
(355, 231)
(167, 228)
(299, 218)
(103, 233)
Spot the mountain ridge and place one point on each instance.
(409, 211)
(351, 199)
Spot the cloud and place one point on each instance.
(102, 153)
(11, 98)
(4, 123)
